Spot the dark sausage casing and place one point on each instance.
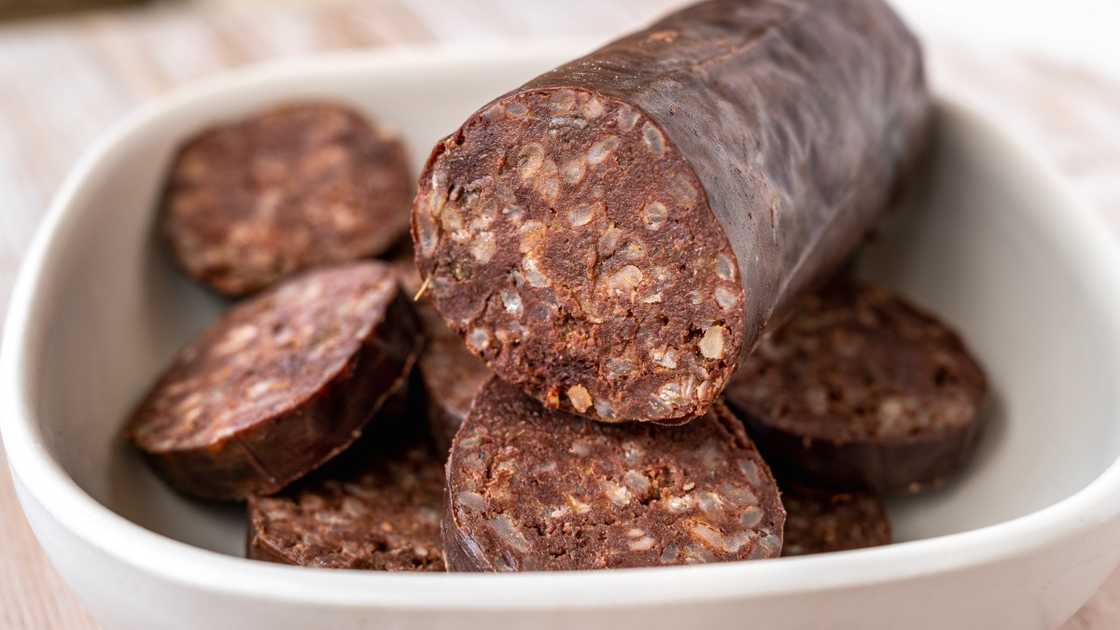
(615, 235)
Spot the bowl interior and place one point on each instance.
(976, 242)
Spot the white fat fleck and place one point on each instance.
(497, 111)
(580, 398)
(632, 453)
(726, 298)
(601, 150)
(511, 300)
(711, 455)
(260, 388)
(751, 471)
(581, 215)
(739, 496)
(683, 191)
(567, 121)
(514, 214)
(579, 507)
(531, 232)
(711, 344)
(751, 517)
(891, 411)
(670, 394)
(428, 234)
(636, 481)
(484, 219)
(548, 182)
(724, 268)
(635, 532)
(581, 448)
(652, 298)
(696, 297)
(439, 182)
(664, 357)
(653, 139)
(709, 536)
(236, 340)
(618, 366)
(645, 543)
(516, 109)
(703, 390)
(634, 250)
(710, 503)
(769, 545)
(543, 469)
(451, 220)
(654, 215)
(529, 160)
(627, 117)
(604, 409)
(484, 247)
(508, 532)
(573, 170)
(626, 279)
(679, 504)
(559, 512)
(478, 339)
(562, 101)
(608, 242)
(618, 495)
(473, 501)
(513, 332)
(533, 274)
(593, 108)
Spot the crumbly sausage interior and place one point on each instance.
(378, 509)
(857, 362)
(819, 522)
(584, 260)
(284, 190)
(535, 489)
(861, 389)
(280, 383)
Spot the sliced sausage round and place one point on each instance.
(279, 384)
(820, 522)
(249, 202)
(614, 235)
(533, 489)
(861, 390)
(377, 507)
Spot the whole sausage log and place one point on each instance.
(615, 235)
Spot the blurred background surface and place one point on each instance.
(71, 68)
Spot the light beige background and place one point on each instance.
(63, 81)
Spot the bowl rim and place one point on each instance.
(44, 480)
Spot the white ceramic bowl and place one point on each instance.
(991, 241)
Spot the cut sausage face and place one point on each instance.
(862, 390)
(282, 191)
(532, 489)
(280, 383)
(820, 522)
(376, 507)
(572, 247)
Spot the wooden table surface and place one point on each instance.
(63, 81)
